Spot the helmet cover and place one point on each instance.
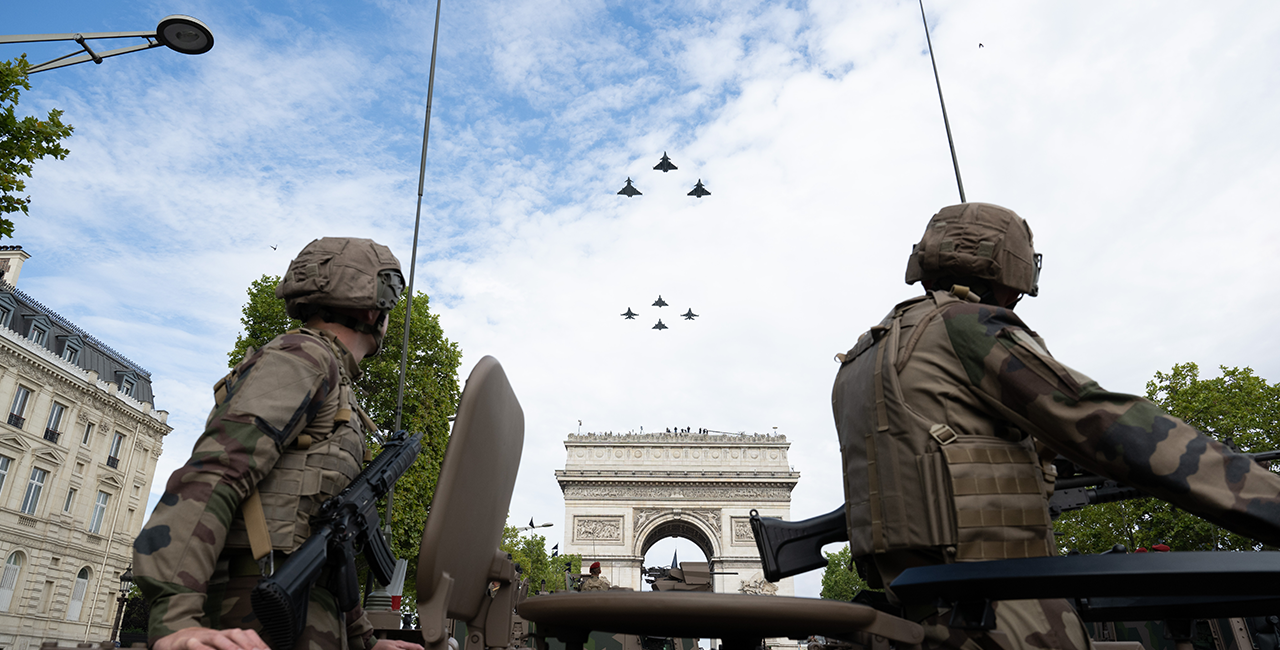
(977, 240)
(341, 272)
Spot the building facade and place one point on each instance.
(78, 449)
(625, 492)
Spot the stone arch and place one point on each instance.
(624, 492)
(672, 524)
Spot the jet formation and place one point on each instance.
(665, 165)
(659, 303)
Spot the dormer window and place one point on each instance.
(127, 386)
(37, 333)
(8, 307)
(71, 351)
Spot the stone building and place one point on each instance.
(78, 448)
(625, 492)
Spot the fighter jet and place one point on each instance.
(665, 165)
(630, 190)
(699, 191)
(689, 315)
(660, 326)
(629, 315)
(659, 302)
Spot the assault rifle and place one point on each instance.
(345, 523)
(1076, 488)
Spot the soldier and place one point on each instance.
(595, 582)
(950, 412)
(285, 434)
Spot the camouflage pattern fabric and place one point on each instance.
(1124, 437)
(1041, 624)
(595, 583)
(289, 386)
(957, 372)
(229, 606)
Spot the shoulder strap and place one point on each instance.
(255, 520)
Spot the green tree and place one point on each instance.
(839, 580)
(22, 141)
(430, 397)
(1239, 409)
(530, 552)
(263, 317)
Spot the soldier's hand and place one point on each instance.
(203, 638)
(389, 644)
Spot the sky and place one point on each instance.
(1139, 140)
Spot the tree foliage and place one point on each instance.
(1237, 408)
(22, 141)
(530, 552)
(430, 397)
(839, 580)
(263, 317)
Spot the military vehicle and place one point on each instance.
(462, 576)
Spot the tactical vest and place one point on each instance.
(318, 464)
(926, 465)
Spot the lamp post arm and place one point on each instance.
(42, 38)
(63, 61)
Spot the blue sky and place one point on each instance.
(1139, 141)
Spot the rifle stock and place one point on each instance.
(345, 522)
(788, 548)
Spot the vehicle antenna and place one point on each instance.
(417, 221)
(951, 143)
(413, 258)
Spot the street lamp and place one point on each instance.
(126, 582)
(177, 32)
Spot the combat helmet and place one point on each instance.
(342, 273)
(977, 240)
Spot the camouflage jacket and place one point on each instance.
(296, 383)
(981, 370)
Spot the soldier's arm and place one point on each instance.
(1124, 437)
(277, 393)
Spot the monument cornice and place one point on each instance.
(700, 439)
(751, 492)
(675, 476)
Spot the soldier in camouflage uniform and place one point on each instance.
(951, 410)
(595, 582)
(285, 434)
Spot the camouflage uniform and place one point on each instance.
(595, 583)
(286, 423)
(950, 412)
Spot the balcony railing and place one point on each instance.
(51, 435)
(113, 462)
(17, 420)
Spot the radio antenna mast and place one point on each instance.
(417, 221)
(945, 122)
(413, 258)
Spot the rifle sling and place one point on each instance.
(255, 520)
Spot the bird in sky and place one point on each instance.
(660, 326)
(630, 190)
(699, 191)
(659, 302)
(689, 315)
(665, 165)
(629, 315)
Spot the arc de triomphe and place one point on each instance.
(624, 492)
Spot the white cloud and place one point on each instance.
(1138, 143)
